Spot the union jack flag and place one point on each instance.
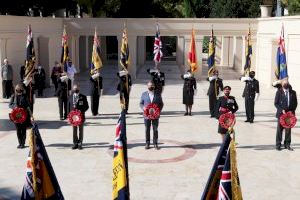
(157, 46)
(41, 182)
(223, 182)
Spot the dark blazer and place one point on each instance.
(145, 100)
(82, 104)
(96, 85)
(215, 86)
(63, 88)
(22, 102)
(122, 83)
(227, 103)
(251, 88)
(281, 103)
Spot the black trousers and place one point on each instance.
(40, 90)
(21, 133)
(287, 139)
(249, 106)
(7, 88)
(78, 139)
(63, 106)
(126, 98)
(95, 104)
(154, 123)
(212, 103)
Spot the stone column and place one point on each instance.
(180, 53)
(227, 51)
(119, 38)
(3, 54)
(141, 53)
(132, 42)
(239, 53)
(218, 49)
(86, 52)
(74, 53)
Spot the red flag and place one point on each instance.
(192, 57)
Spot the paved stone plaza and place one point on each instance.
(179, 170)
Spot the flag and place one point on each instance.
(30, 55)
(157, 47)
(124, 57)
(96, 59)
(211, 54)
(65, 49)
(247, 66)
(281, 72)
(120, 161)
(192, 57)
(223, 182)
(41, 182)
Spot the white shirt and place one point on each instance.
(287, 94)
(151, 96)
(71, 70)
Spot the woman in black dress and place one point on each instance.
(189, 89)
(19, 99)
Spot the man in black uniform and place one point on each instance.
(96, 88)
(40, 78)
(224, 105)
(215, 86)
(251, 94)
(285, 101)
(78, 101)
(124, 88)
(158, 79)
(62, 93)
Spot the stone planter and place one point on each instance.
(266, 10)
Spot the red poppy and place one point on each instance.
(18, 115)
(227, 120)
(152, 111)
(288, 120)
(75, 117)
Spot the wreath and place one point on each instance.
(227, 120)
(75, 117)
(18, 115)
(152, 111)
(288, 120)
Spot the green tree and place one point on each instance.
(294, 7)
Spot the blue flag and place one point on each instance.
(41, 182)
(281, 71)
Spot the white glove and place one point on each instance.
(212, 78)
(276, 83)
(256, 96)
(27, 81)
(195, 92)
(245, 78)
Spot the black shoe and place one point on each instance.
(289, 148)
(156, 147)
(80, 147)
(147, 146)
(212, 116)
(278, 148)
(185, 114)
(251, 122)
(190, 114)
(61, 118)
(19, 146)
(22, 146)
(247, 120)
(75, 146)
